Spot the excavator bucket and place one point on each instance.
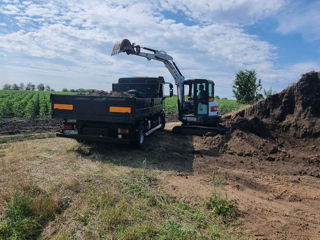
(123, 46)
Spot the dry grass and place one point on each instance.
(91, 192)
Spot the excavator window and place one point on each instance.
(202, 92)
(188, 91)
(202, 98)
(210, 90)
(188, 106)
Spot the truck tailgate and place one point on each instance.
(92, 108)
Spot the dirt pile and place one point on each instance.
(110, 94)
(271, 161)
(284, 127)
(295, 111)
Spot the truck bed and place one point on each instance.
(104, 109)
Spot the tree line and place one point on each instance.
(41, 87)
(29, 86)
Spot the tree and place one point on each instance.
(21, 86)
(246, 87)
(6, 86)
(40, 87)
(64, 90)
(48, 88)
(15, 87)
(29, 86)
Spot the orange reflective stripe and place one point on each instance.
(120, 109)
(63, 106)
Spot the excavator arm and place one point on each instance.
(132, 49)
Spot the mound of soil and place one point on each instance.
(110, 94)
(295, 111)
(284, 127)
(271, 161)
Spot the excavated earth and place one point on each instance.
(109, 94)
(21, 126)
(271, 162)
(269, 165)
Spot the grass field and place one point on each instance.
(57, 189)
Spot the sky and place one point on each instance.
(67, 43)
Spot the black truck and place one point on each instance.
(135, 112)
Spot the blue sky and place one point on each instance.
(68, 43)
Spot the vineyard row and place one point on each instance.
(27, 104)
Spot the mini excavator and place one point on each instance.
(197, 109)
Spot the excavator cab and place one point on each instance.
(199, 106)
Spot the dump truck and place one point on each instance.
(134, 112)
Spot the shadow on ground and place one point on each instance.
(163, 150)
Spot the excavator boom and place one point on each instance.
(130, 48)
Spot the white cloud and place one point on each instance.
(68, 43)
(225, 11)
(281, 78)
(9, 9)
(302, 18)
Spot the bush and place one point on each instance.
(221, 206)
(20, 222)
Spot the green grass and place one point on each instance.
(221, 206)
(115, 203)
(27, 214)
(19, 138)
(130, 207)
(171, 105)
(228, 105)
(225, 105)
